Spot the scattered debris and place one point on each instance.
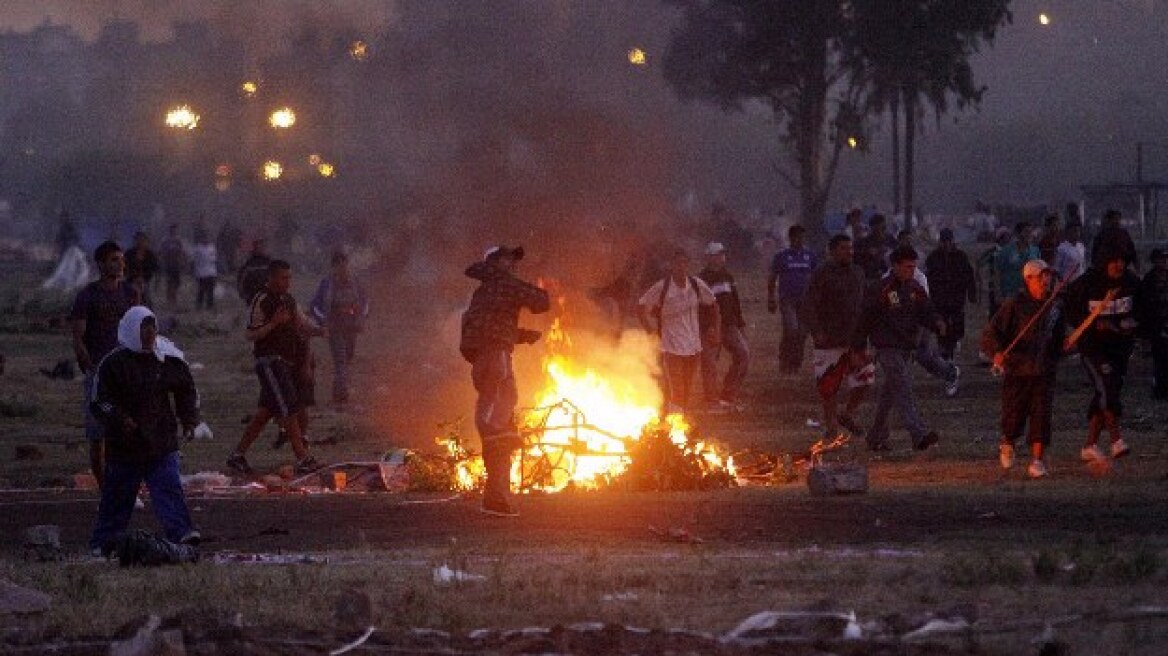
(140, 548)
(620, 596)
(767, 626)
(205, 480)
(148, 640)
(937, 626)
(43, 542)
(443, 575)
(675, 535)
(356, 643)
(230, 557)
(837, 478)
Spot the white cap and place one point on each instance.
(1034, 268)
(715, 248)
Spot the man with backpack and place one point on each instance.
(674, 303)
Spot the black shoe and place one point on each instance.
(851, 426)
(498, 508)
(307, 466)
(237, 462)
(927, 441)
(281, 439)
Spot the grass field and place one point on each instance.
(943, 533)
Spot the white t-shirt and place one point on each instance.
(679, 314)
(204, 257)
(1070, 259)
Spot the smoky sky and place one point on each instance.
(1066, 102)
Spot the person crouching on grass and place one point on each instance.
(276, 327)
(1033, 324)
(133, 387)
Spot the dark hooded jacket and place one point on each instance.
(1038, 350)
(1114, 330)
(893, 314)
(492, 320)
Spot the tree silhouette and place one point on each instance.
(786, 54)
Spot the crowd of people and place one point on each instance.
(868, 309)
(138, 388)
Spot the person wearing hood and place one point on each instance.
(132, 396)
(490, 331)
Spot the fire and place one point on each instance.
(589, 416)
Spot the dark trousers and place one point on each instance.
(342, 345)
(120, 491)
(1160, 368)
(677, 379)
(206, 294)
(1106, 372)
(734, 343)
(954, 330)
(494, 380)
(1027, 398)
(794, 335)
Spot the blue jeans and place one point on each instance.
(895, 391)
(928, 356)
(122, 480)
(494, 380)
(734, 342)
(342, 346)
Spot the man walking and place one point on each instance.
(721, 283)
(275, 329)
(490, 331)
(677, 303)
(1070, 261)
(835, 298)
(1030, 326)
(341, 305)
(1103, 300)
(174, 259)
(951, 284)
(96, 311)
(894, 311)
(135, 386)
(1011, 259)
(790, 270)
(872, 251)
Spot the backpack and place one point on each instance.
(705, 312)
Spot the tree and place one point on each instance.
(909, 54)
(785, 54)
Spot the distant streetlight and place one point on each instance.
(249, 89)
(182, 118)
(637, 57)
(273, 170)
(326, 170)
(282, 118)
(1044, 19)
(359, 50)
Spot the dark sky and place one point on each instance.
(1067, 102)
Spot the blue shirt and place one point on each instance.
(792, 267)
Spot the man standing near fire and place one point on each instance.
(1024, 341)
(835, 296)
(490, 331)
(678, 303)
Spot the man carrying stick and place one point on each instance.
(1102, 303)
(1024, 339)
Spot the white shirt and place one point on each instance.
(204, 257)
(680, 334)
(1070, 259)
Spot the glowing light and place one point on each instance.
(222, 184)
(326, 170)
(182, 118)
(853, 143)
(637, 57)
(1044, 19)
(282, 118)
(273, 170)
(359, 50)
(314, 159)
(249, 89)
(223, 171)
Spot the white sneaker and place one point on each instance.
(1091, 454)
(1119, 448)
(1006, 455)
(951, 386)
(1037, 469)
